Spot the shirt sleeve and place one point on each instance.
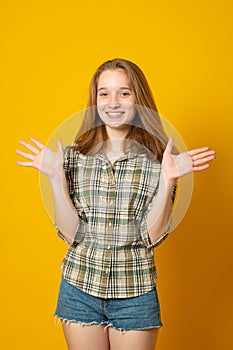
(79, 235)
(166, 233)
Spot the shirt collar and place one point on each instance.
(132, 152)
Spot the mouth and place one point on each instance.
(115, 115)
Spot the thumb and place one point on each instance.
(170, 145)
(59, 146)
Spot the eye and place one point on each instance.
(125, 94)
(103, 94)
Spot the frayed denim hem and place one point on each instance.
(60, 320)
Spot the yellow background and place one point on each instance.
(49, 51)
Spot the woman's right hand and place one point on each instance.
(43, 158)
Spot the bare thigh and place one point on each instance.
(85, 337)
(133, 340)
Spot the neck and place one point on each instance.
(117, 133)
(114, 146)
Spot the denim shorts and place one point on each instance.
(137, 313)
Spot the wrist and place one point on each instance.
(57, 176)
(168, 180)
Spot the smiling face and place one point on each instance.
(115, 100)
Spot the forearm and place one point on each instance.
(159, 216)
(66, 215)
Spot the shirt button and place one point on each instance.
(108, 247)
(111, 202)
(109, 224)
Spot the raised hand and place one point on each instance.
(175, 166)
(41, 157)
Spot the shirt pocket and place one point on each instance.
(135, 192)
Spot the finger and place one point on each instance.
(25, 155)
(203, 160)
(28, 164)
(203, 155)
(59, 146)
(193, 152)
(38, 143)
(200, 168)
(30, 147)
(170, 145)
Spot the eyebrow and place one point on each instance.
(121, 88)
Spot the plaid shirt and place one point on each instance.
(112, 256)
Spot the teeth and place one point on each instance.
(114, 113)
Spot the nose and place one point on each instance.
(114, 105)
(114, 101)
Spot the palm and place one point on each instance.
(175, 166)
(42, 158)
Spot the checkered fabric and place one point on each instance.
(112, 256)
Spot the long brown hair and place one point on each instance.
(147, 129)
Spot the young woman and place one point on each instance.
(113, 191)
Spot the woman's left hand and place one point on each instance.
(175, 166)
